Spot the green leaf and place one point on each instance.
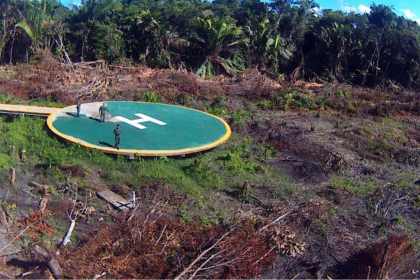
(24, 25)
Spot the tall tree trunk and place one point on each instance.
(1, 53)
(62, 48)
(11, 46)
(84, 39)
(3, 41)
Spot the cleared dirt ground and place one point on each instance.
(351, 155)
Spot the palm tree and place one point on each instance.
(266, 45)
(9, 16)
(158, 36)
(218, 42)
(33, 23)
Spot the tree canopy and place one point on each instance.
(286, 37)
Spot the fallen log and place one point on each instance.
(43, 189)
(52, 262)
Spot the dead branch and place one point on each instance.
(133, 213)
(87, 63)
(62, 48)
(93, 87)
(34, 270)
(12, 253)
(161, 234)
(97, 276)
(14, 239)
(392, 203)
(201, 256)
(167, 243)
(265, 255)
(258, 200)
(275, 221)
(202, 268)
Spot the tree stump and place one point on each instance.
(23, 156)
(246, 188)
(3, 218)
(12, 175)
(14, 153)
(43, 205)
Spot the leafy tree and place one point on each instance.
(222, 36)
(158, 38)
(95, 30)
(392, 47)
(219, 41)
(293, 19)
(9, 16)
(267, 46)
(42, 21)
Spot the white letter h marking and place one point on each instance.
(143, 118)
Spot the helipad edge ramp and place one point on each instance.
(26, 109)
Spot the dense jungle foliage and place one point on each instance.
(286, 38)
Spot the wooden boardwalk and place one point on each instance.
(115, 200)
(27, 110)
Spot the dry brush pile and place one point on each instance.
(138, 247)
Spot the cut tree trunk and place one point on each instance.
(68, 235)
(52, 262)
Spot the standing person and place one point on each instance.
(102, 110)
(117, 133)
(78, 106)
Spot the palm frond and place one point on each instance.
(206, 70)
(232, 66)
(25, 26)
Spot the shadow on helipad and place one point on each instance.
(71, 114)
(95, 119)
(106, 144)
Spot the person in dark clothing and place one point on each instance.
(117, 133)
(78, 106)
(102, 110)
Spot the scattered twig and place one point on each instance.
(14, 239)
(97, 276)
(275, 221)
(201, 256)
(12, 253)
(161, 234)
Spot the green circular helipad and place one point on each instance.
(147, 129)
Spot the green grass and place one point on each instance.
(239, 117)
(5, 161)
(199, 176)
(354, 187)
